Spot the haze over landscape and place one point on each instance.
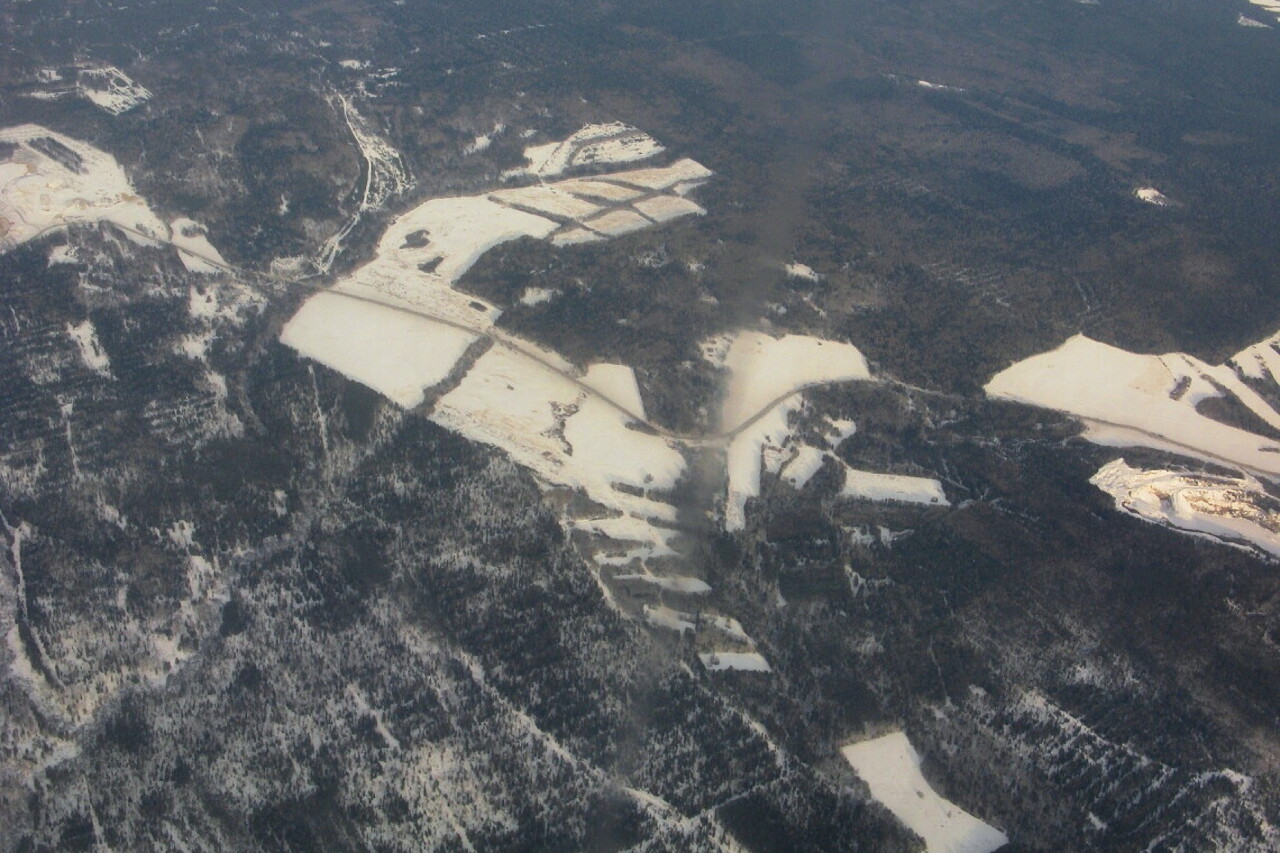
(650, 426)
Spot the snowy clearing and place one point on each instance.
(663, 177)
(547, 200)
(764, 370)
(664, 208)
(1145, 400)
(670, 583)
(195, 251)
(672, 620)
(892, 487)
(744, 661)
(891, 768)
(615, 223)
(1242, 21)
(1228, 509)
(538, 295)
(393, 352)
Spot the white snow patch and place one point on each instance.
(765, 370)
(1242, 21)
(394, 352)
(671, 583)
(801, 271)
(63, 255)
(194, 249)
(615, 223)
(1272, 6)
(803, 464)
(664, 208)
(892, 487)
(1151, 195)
(618, 383)
(744, 661)
(891, 768)
(602, 190)
(672, 620)
(182, 534)
(354, 64)
(538, 295)
(91, 351)
(548, 200)
(662, 177)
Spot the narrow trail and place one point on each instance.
(499, 338)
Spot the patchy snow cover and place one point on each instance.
(670, 583)
(1230, 509)
(53, 180)
(538, 295)
(575, 237)
(393, 352)
(891, 768)
(568, 437)
(602, 190)
(744, 458)
(892, 487)
(111, 89)
(663, 177)
(63, 255)
(1151, 195)
(91, 351)
(764, 370)
(1146, 400)
(672, 620)
(745, 661)
(803, 464)
(801, 271)
(194, 249)
(1250, 22)
(592, 145)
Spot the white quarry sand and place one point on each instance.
(745, 661)
(1144, 400)
(1151, 195)
(1229, 509)
(764, 370)
(39, 191)
(393, 352)
(891, 768)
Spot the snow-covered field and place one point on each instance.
(1147, 400)
(393, 352)
(764, 370)
(1230, 509)
(744, 661)
(890, 766)
(869, 485)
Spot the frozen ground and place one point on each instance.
(1229, 509)
(891, 768)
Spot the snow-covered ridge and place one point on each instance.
(1229, 509)
(105, 86)
(890, 766)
